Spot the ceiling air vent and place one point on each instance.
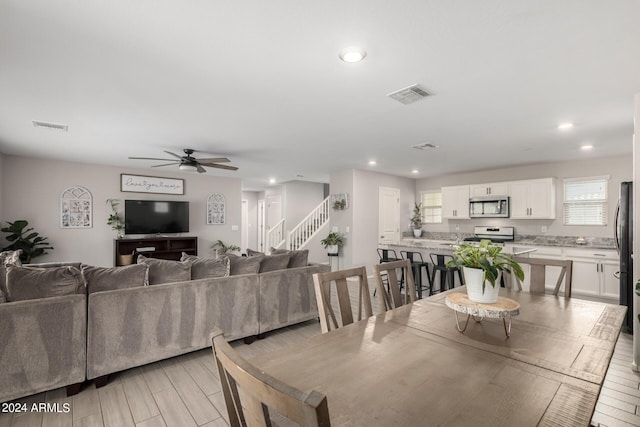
(425, 146)
(409, 95)
(50, 126)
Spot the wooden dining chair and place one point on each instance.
(326, 312)
(249, 393)
(537, 275)
(394, 297)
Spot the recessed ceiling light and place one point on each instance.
(352, 54)
(565, 126)
(373, 162)
(272, 181)
(415, 171)
(586, 147)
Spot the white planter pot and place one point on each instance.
(473, 278)
(417, 232)
(332, 249)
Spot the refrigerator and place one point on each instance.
(624, 245)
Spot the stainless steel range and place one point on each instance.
(495, 234)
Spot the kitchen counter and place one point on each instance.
(551, 241)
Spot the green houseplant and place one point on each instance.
(221, 247)
(416, 219)
(115, 220)
(333, 242)
(482, 263)
(30, 242)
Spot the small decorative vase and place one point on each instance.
(417, 232)
(473, 278)
(332, 249)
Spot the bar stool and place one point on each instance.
(440, 264)
(417, 263)
(388, 255)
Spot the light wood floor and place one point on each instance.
(184, 391)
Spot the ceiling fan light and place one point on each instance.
(188, 168)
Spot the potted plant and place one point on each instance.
(482, 263)
(31, 243)
(115, 220)
(416, 220)
(332, 242)
(221, 247)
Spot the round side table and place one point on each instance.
(503, 309)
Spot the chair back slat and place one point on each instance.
(394, 297)
(344, 281)
(537, 275)
(249, 393)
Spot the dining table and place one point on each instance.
(410, 366)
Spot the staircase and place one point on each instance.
(276, 235)
(309, 226)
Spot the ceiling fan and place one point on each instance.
(190, 163)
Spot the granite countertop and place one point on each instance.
(428, 242)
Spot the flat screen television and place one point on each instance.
(155, 217)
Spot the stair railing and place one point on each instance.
(276, 235)
(309, 226)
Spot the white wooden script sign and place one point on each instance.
(151, 184)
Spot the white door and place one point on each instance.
(274, 210)
(388, 215)
(261, 225)
(244, 233)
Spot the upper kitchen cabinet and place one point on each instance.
(455, 202)
(533, 199)
(495, 189)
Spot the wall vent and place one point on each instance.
(50, 126)
(425, 146)
(409, 95)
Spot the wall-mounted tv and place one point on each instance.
(155, 217)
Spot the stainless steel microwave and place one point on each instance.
(489, 207)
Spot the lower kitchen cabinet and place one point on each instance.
(593, 273)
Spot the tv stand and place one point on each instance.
(126, 251)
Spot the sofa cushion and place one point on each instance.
(244, 265)
(204, 268)
(24, 283)
(251, 252)
(298, 258)
(166, 271)
(6, 258)
(274, 262)
(110, 278)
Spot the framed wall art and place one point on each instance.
(340, 201)
(76, 208)
(151, 184)
(216, 209)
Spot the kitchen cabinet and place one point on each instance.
(533, 199)
(455, 202)
(593, 273)
(495, 189)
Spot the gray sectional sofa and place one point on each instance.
(64, 340)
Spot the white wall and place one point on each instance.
(31, 190)
(343, 182)
(619, 168)
(300, 199)
(252, 233)
(1, 187)
(636, 231)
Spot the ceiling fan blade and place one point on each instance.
(165, 164)
(214, 165)
(149, 158)
(215, 160)
(173, 154)
(200, 169)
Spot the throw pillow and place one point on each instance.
(166, 271)
(203, 268)
(106, 279)
(251, 252)
(6, 258)
(244, 265)
(24, 283)
(298, 258)
(274, 262)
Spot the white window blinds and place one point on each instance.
(585, 201)
(431, 207)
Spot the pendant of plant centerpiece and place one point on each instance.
(482, 265)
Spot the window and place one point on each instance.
(585, 201)
(432, 207)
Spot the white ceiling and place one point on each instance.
(261, 82)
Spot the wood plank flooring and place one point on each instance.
(185, 391)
